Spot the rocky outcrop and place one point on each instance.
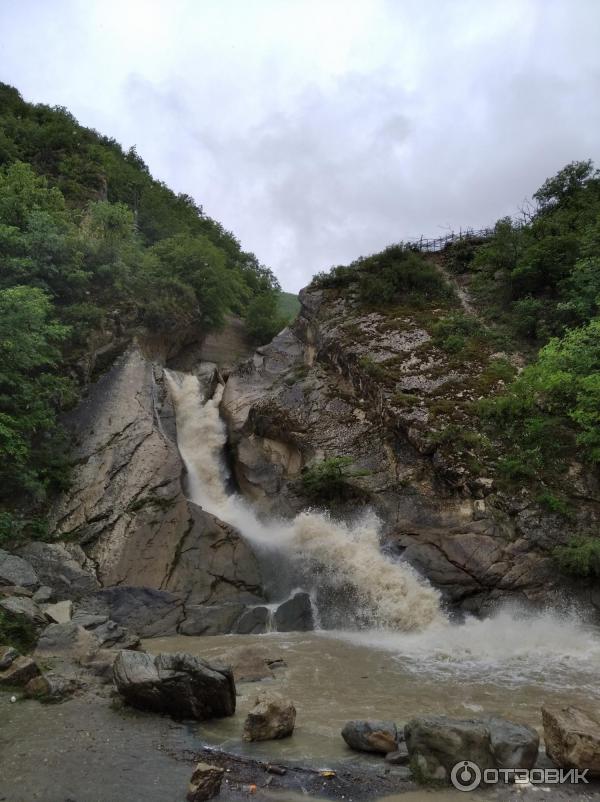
(272, 717)
(437, 743)
(180, 685)
(373, 386)
(371, 736)
(127, 510)
(572, 737)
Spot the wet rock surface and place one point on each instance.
(180, 685)
(437, 743)
(572, 737)
(372, 736)
(272, 717)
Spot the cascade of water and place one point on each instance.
(345, 559)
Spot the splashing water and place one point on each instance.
(343, 558)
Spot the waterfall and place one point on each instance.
(341, 563)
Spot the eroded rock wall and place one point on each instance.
(317, 391)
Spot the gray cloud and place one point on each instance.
(319, 131)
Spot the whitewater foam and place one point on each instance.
(329, 554)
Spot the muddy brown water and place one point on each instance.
(505, 665)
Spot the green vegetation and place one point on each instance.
(17, 632)
(396, 274)
(288, 306)
(537, 284)
(580, 557)
(330, 480)
(90, 243)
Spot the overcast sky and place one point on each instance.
(320, 131)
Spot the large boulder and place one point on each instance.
(295, 614)
(572, 737)
(514, 746)
(146, 611)
(67, 641)
(180, 685)
(62, 567)
(436, 743)
(254, 621)
(371, 736)
(16, 571)
(272, 717)
(24, 608)
(21, 670)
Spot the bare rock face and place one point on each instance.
(128, 511)
(272, 717)
(572, 737)
(62, 567)
(180, 685)
(345, 381)
(205, 783)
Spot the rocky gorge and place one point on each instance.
(188, 517)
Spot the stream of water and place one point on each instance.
(394, 653)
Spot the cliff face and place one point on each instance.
(372, 386)
(127, 508)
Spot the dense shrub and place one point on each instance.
(580, 557)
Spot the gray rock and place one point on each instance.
(272, 717)
(183, 686)
(43, 595)
(69, 641)
(295, 614)
(436, 743)
(23, 607)
(111, 635)
(16, 571)
(7, 656)
(50, 687)
(254, 621)
(148, 612)
(60, 612)
(215, 619)
(371, 736)
(205, 783)
(20, 671)
(514, 746)
(62, 567)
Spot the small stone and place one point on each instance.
(371, 736)
(49, 687)
(43, 595)
(7, 656)
(272, 717)
(205, 783)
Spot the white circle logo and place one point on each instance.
(465, 776)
